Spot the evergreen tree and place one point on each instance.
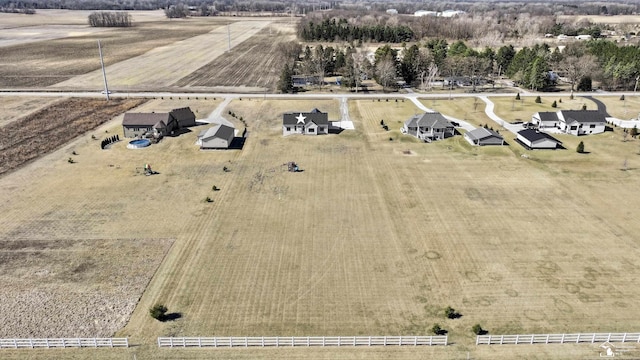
(580, 148)
(285, 84)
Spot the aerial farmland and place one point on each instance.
(377, 235)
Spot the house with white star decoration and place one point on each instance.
(314, 122)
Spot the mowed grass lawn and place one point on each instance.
(510, 109)
(378, 236)
(626, 109)
(374, 237)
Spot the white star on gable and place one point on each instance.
(301, 118)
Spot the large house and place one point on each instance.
(483, 136)
(157, 124)
(428, 126)
(575, 122)
(314, 122)
(148, 124)
(533, 139)
(216, 137)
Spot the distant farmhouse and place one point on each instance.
(533, 139)
(482, 136)
(156, 124)
(217, 137)
(428, 127)
(574, 122)
(314, 122)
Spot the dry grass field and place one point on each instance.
(49, 128)
(373, 237)
(14, 108)
(510, 109)
(243, 68)
(161, 67)
(46, 63)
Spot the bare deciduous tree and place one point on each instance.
(386, 71)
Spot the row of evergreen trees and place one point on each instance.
(331, 30)
(109, 140)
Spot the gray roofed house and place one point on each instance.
(141, 124)
(428, 126)
(216, 137)
(314, 122)
(575, 122)
(482, 136)
(534, 139)
(184, 116)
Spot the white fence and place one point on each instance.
(63, 343)
(302, 341)
(556, 338)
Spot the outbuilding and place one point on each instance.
(217, 137)
(483, 136)
(533, 139)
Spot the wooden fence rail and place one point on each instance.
(281, 341)
(556, 338)
(63, 343)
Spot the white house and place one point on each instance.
(574, 122)
(482, 136)
(428, 126)
(314, 122)
(217, 137)
(534, 139)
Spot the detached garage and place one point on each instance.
(534, 139)
(217, 137)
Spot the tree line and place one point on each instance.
(538, 68)
(332, 29)
(110, 19)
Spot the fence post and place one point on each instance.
(562, 340)
(46, 341)
(323, 341)
(369, 340)
(262, 341)
(308, 344)
(624, 337)
(385, 341)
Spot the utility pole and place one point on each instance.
(104, 74)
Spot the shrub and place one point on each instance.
(584, 106)
(390, 139)
(622, 97)
(215, 188)
(518, 96)
(70, 161)
(478, 330)
(580, 148)
(436, 329)
(451, 313)
(554, 104)
(208, 199)
(158, 312)
(538, 100)
(560, 101)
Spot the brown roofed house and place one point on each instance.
(153, 124)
